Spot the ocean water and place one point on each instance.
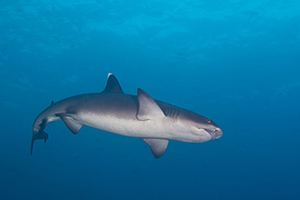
(235, 62)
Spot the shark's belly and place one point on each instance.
(129, 126)
(118, 114)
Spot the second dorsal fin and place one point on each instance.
(112, 85)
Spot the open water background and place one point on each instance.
(236, 62)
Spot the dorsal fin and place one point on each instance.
(52, 102)
(112, 85)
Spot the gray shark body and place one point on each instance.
(140, 116)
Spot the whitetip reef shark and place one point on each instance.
(140, 116)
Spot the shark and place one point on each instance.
(139, 116)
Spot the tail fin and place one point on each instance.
(39, 135)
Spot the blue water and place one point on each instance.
(236, 62)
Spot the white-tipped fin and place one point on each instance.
(109, 74)
(112, 85)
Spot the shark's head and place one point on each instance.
(201, 128)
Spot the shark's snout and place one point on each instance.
(216, 134)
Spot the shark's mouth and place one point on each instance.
(212, 134)
(215, 134)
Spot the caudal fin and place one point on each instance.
(39, 135)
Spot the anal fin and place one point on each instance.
(70, 122)
(157, 146)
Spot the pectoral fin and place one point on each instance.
(157, 146)
(148, 108)
(70, 122)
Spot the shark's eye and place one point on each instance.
(208, 121)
